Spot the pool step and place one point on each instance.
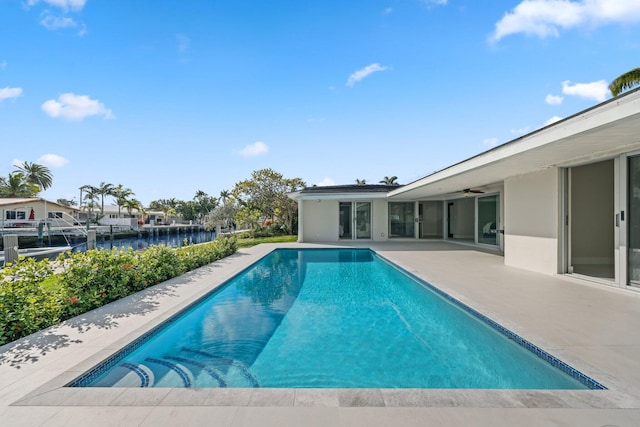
(234, 371)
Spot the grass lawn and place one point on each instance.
(248, 242)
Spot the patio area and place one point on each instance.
(592, 327)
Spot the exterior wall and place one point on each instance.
(380, 212)
(320, 220)
(531, 212)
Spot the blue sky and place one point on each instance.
(171, 97)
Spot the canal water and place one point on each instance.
(173, 240)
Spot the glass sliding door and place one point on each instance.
(355, 220)
(401, 219)
(634, 220)
(488, 220)
(430, 220)
(363, 220)
(344, 227)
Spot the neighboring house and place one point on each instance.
(28, 212)
(564, 199)
(124, 218)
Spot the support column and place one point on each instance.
(10, 242)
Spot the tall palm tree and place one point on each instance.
(104, 189)
(224, 195)
(625, 81)
(90, 198)
(389, 180)
(36, 174)
(121, 194)
(82, 189)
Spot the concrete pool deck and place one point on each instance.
(592, 327)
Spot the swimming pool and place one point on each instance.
(331, 318)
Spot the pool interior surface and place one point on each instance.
(330, 318)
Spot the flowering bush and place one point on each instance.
(27, 304)
(32, 297)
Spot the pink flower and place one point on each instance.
(74, 299)
(18, 328)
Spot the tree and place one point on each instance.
(17, 185)
(265, 194)
(167, 206)
(224, 195)
(90, 199)
(36, 174)
(203, 205)
(121, 194)
(104, 189)
(66, 202)
(625, 81)
(361, 181)
(393, 180)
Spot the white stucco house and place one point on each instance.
(28, 212)
(564, 199)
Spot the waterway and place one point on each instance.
(173, 240)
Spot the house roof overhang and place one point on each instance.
(351, 192)
(604, 131)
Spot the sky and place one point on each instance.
(171, 97)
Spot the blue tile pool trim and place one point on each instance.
(554, 361)
(91, 375)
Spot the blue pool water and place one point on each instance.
(330, 318)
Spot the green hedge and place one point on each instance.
(35, 295)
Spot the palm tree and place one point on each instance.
(361, 181)
(224, 195)
(83, 188)
(16, 185)
(104, 189)
(625, 81)
(36, 174)
(121, 194)
(393, 180)
(90, 198)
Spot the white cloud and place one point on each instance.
(70, 106)
(62, 4)
(544, 18)
(490, 142)
(436, 2)
(183, 43)
(520, 131)
(365, 72)
(325, 182)
(10, 92)
(52, 161)
(387, 11)
(51, 22)
(255, 149)
(3, 65)
(552, 120)
(595, 90)
(553, 99)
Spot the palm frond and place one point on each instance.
(625, 81)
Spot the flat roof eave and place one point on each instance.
(607, 129)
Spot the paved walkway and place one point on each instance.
(592, 327)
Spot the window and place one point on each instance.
(16, 215)
(53, 215)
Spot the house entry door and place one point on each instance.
(355, 220)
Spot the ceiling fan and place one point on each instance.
(468, 191)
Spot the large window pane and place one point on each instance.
(488, 220)
(401, 219)
(344, 228)
(363, 220)
(634, 221)
(430, 220)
